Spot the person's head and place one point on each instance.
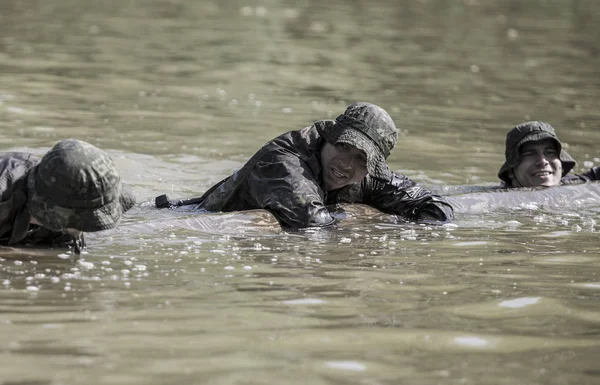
(534, 156)
(76, 188)
(357, 143)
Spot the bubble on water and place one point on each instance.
(229, 268)
(63, 256)
(352, 366)
(303, 301)
(471, 243)
(18, 263)
(345, 240)
(471, 341)
(6, 282)
(32, 288)
(588, 224)
(246, 11)
(85, 265)
(55, 280)
(519, 302)
(247, 267)
(512, 34)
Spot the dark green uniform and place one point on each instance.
(284, 177)
(73, 186)
(14, 216)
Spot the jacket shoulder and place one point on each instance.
(14, 167)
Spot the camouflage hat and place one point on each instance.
(531, 132)
(367, 127)
(76, 185)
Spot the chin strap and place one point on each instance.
(519, 184)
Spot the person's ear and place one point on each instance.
(512, 177)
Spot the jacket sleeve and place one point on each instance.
(402, 196)
(593, 173)
(287, 187)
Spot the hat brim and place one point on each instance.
(83, 219)
(335, 132)
(512, 161)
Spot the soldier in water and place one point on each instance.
(535, 157)
(72, 189)
(298, 174)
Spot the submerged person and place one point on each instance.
(74, 188)
(297, 174)
(535, 157)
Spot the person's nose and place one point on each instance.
(541, 159)
(348, 162)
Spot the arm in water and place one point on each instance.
(404, 197)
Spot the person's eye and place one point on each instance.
(362, 159)
(526, 154)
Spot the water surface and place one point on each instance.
(181, 93)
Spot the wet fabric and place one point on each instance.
(591, 175)
(14, 216)
(367, 127)
(284, 177)
(76, 185)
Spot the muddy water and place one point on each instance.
(182, 93)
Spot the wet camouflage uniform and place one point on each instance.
(75, 185)
(531, 132)
(285, 175)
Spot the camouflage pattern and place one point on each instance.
(14, 217)
(284, 177)
(76, 185)
(367, 127)
(530, 132)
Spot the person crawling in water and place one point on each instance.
(297, 174)
(74, 188)
(535, 157)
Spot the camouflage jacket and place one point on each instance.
(590, 175)
(14, 216)
(284, 177)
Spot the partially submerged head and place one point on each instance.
(357, 143)
(77, 188)
(534, 156)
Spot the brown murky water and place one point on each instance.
(181, 93)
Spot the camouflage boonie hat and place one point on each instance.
(76, 185)
(367, 127)
(531, 132)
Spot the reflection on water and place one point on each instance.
(181, 93)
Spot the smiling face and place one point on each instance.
(539, 165)
(342, 165)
